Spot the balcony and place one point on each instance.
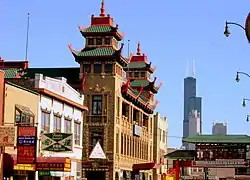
(96, 119)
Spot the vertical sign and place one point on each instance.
(26, 145)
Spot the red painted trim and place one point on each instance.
(247, 30)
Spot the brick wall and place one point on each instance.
(1, 95)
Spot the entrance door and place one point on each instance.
(95, 175)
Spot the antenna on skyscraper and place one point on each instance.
(193, 69)
(187, 68)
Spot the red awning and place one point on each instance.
(146, 166)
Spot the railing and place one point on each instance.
(96, 119)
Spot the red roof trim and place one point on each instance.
(146, 166)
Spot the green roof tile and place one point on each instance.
(218, 139)
(98, 29)
(181, 154)
(104, 51)
(135, 65)
(10, 72)
(140, 82)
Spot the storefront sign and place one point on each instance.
(26, 140)
(47, 166)
(137, 130)
(7, 136)
(44, 173)
(57, 142)
(221, 163)
(24, 167)
(26, 145)
(26, 154)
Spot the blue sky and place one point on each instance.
(170, 33)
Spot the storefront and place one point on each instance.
(140, 171)
(53, 168)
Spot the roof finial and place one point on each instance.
(138, 49)
(102, 9)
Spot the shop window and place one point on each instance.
(87, 68)
(90, 41)
(57, 124)
(99, 41)
(45, 122)
(24, 116)
(97, 68)
(108, 68)
(107, 41)
(97, 104)
(77, 133)
(67, 125)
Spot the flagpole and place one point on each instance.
(27, 38)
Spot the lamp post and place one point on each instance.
(248, 116)
(238, 75)
(244, 102)
(227, 32)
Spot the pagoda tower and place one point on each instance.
(120, 116)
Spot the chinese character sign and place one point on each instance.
(7, 135)
(26, 145)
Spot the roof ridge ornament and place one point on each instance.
(138, 49)
(102, 10)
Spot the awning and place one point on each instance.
(146, 166)
(181, 154)
(53, 164)
(24, 110)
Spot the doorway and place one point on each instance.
(95, 175)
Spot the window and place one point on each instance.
(163, 138)
(86, 68)
(90, 41)
(24, 116)
(67, 125)
(143, 74)
(97, 68)
(122, 143)
(57, 124)
(99, 41)
(136, 74)
(108, 68)
(97, 105)
(45, 124)
(77, 128)
(117, 144)
(78, 170)
(107, 41)
(95, 136)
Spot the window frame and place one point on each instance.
(97, 104)
(107, 39)
(91, 40)
(57, 120)
(99, 40)
(97, 68)
(45, 127)
(87, 68)
(66, 126)
(108, 68)
(77, 133)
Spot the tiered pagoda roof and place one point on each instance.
(102, 25)
(138, 62)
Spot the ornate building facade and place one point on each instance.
(120, 115)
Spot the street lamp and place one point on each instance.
(244, 102)
(247, 118)
(237, 79)
(227, 32)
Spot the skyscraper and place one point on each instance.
(191, 103)
(219, 129)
